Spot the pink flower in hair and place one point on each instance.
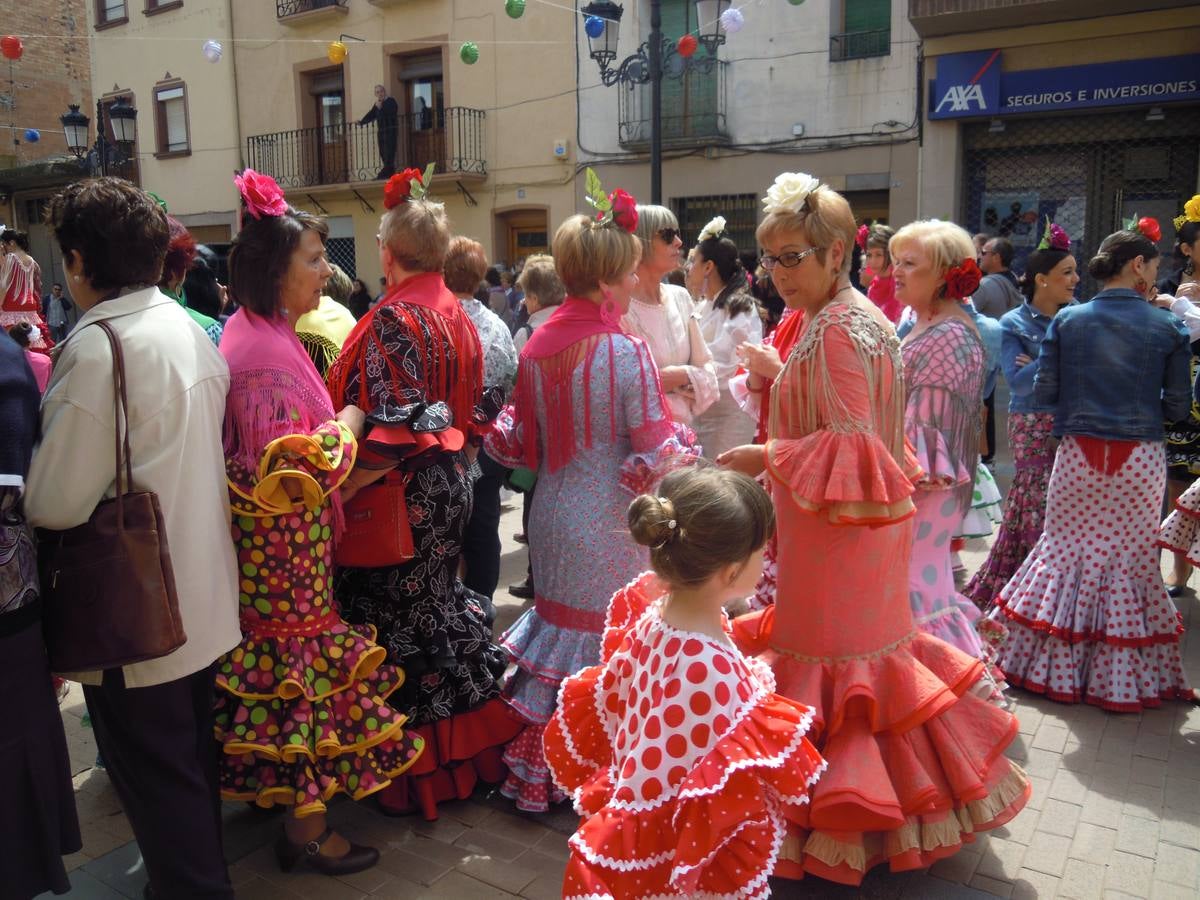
(263, 195)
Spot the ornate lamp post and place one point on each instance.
(654, 59)
(122, 118)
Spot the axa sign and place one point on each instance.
(967, 84)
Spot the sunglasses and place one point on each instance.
(668, 235)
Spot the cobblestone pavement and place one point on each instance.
(1115, 813)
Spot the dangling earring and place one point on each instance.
(610, 313)
(1140, 286)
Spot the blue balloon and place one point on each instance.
(32, 135)
(594, 26)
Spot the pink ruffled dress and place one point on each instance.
(916, 764)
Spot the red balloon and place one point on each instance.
(11, 46)
(687, 45)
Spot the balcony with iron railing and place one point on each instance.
(931, 18)
(453, 138)
(860, 44)
(693, 110)
(292, 11)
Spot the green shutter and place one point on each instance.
(867, 15)
(689, 104)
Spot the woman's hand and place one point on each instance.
(749, 459)
(761, 360)
(1023, 360)
(674, 378)
(354, 419)
(1190, 289)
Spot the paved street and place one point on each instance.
(1115, 813)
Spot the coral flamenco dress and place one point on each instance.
(20, 297)
(681, 759)
(916, 764)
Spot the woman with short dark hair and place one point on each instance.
(153, 720)
(181, 253)
(1089, 619)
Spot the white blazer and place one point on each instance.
(177, 382)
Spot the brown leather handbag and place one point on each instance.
(107, 585)
(377, 532)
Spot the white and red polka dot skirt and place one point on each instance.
(1089, 619)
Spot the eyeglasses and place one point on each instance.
(787, 260)
(668, 235)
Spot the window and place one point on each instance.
(153, 7)
(866, 30)
(740, 212)
(171, 119)
(110, 12)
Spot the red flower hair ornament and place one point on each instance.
(861, 237)
(262, 194)
(619, 207)
(411, 184)
(963, 280)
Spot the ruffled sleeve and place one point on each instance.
(315, 463)
(843, 469)
(409, 434)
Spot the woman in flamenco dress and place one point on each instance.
(677, 751)
(414, 364)
(21, 288)
(590, 417)
(301, 711)
(916, 764)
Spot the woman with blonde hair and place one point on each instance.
(414, 365)
(590, 418)
(916, 765)
(664, 316)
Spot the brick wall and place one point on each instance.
(54, 71)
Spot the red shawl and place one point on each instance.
(572, 334)
(451, 363)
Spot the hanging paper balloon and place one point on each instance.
(594, 26)
(687, 45)
(469, 53)
(514, 8)
(732, 21)
(11, 46)
(212, 50)
(32, 135)
(337, 52)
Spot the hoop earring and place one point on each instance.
(1140, 286)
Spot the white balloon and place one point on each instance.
(212, 50)
(732, 21)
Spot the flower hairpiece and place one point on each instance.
(860, 237)
(714, 229)
(1146, 226)
(963, 280)
(790, 192)
(619, 207)
(1054, 237)
(1191, 213)
(411, 184)
(262, 194)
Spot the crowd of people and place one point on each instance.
(746, 652)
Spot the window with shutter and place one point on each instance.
(110, 11)
(866, 30)
(171, 115)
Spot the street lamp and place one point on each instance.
(654, 59)
(122, 118)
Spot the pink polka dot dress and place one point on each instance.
(681, 759)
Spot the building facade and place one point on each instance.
(499, 130)
(160, 56)
(828, 87)
(35, 91)
(1044, 108)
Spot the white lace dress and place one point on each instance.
(725, 424)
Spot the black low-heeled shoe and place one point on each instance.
(1175, 591)
(356, 859)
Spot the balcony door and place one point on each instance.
(689, 103)
(327, 109)
(423, 104)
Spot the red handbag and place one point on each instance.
(377, 533)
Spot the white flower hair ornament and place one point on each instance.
(790, 192)
(714, 229)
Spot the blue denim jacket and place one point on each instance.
(1115, 368)
(990, 334)
(1023, 329)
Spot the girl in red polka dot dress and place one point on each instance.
(677, 752)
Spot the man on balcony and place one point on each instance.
(385, 114)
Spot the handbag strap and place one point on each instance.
(120, 412)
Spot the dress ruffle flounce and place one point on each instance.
(987, 506)
(301, 711)
(847, 475)
(933, 455)
(1180, 532)
(916, 765)
(691, 799)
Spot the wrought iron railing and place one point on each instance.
(286, 8)
(860, 44)
(452, 138)
(693, 110)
